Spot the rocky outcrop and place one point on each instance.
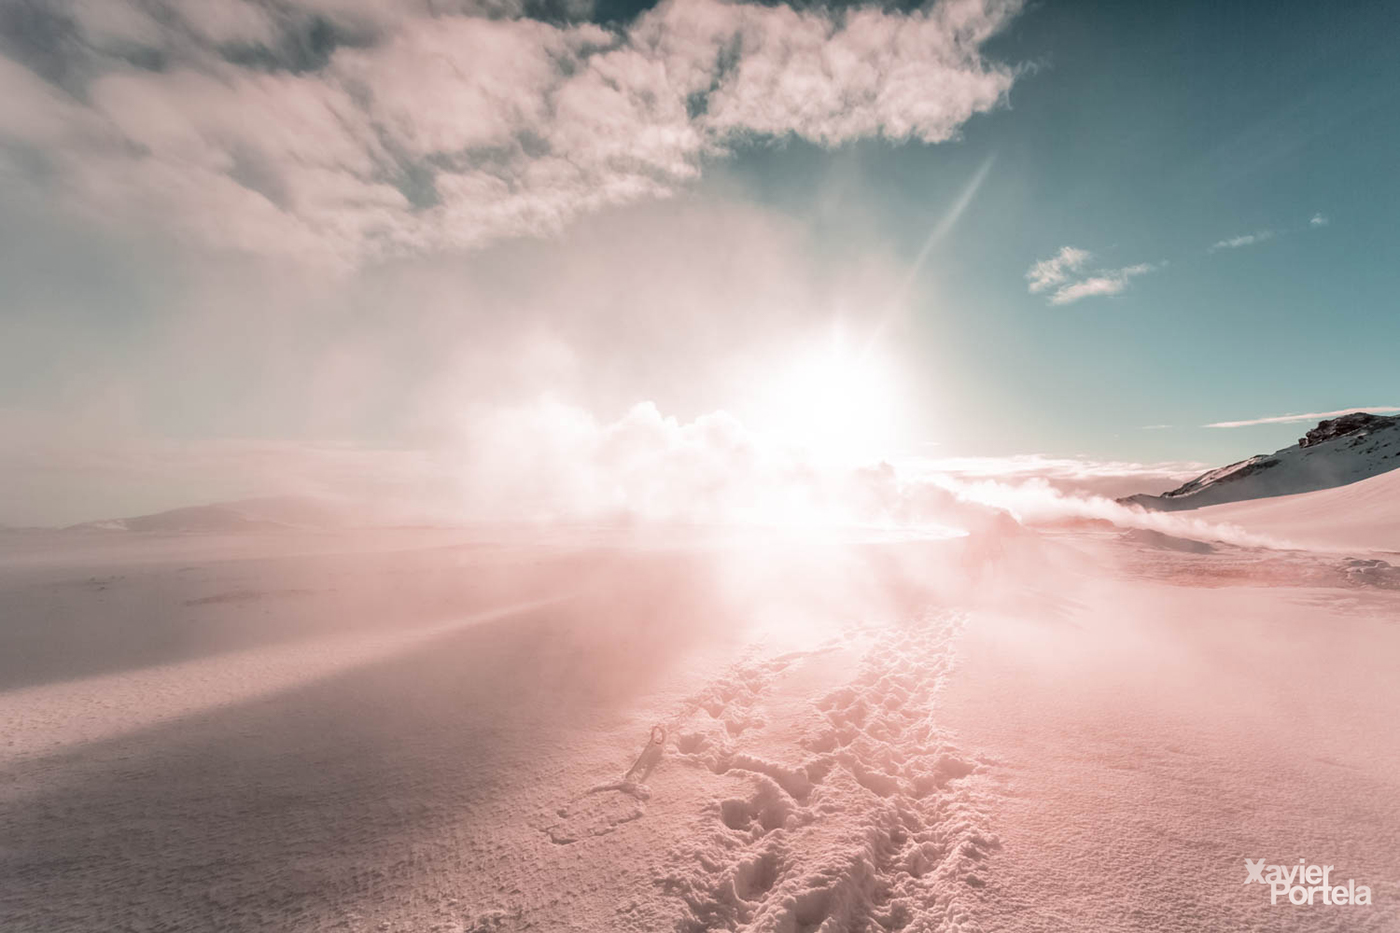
(1354, 423)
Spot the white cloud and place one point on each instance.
(449, 129)
(1307, 416)
(828, 80)
(1110, 282)
(1054, 271)
(1075, 475)
(1248, 239)
(1064, 272)
(1318, 220)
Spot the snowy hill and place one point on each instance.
(1364, 515)
(266, 514)
(1337, 452)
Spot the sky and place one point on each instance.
(516, 258)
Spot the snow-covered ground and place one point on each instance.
(1363, 516)
(429, 730)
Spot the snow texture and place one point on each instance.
(1086, 728)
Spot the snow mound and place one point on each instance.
(1363, 515)
(1156, 539)
(1337, 452)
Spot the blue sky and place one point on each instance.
(1147, 133)
(213, 278)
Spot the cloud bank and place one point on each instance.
(346, 131)
(550, 461)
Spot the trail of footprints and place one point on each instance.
(871, 832)
(730, 700)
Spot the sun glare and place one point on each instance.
(833, 403)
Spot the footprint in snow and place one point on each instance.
(598, 812)
(606, 807)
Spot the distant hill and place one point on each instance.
(1337, 452)
(277, 513)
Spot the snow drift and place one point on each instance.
(1364, 515)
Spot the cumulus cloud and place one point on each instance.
(1064, 272)
(1248, 239)
(351, 129)
(549, 460)
(1307, 416)
(1318, 220)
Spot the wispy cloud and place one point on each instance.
(1106, 282)
(361, 129)
(1306, 416)
(1064, 272)
(1057, 269)
(1248, 239)
(1261, 236)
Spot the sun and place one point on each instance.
(832, 401)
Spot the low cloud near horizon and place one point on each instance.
(545, 460)
(1081, 476)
